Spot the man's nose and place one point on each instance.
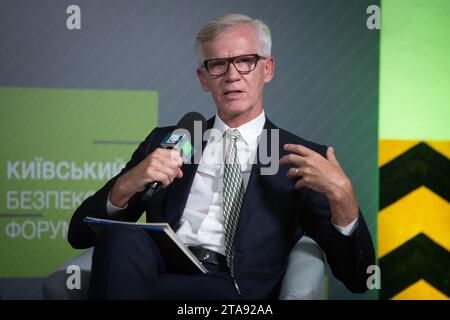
(232, 73)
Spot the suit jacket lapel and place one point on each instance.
(253, 187)
(179, 190)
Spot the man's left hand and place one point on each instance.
(323, 175)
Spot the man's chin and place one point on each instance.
(245, 114)
(235, 108)
(233, 112)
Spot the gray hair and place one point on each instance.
(229, 21)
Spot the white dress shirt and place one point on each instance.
(202, 221)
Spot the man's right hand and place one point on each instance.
(161, 165)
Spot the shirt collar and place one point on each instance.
(249, 131)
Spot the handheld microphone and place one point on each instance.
(180, 139)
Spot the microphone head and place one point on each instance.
(189, 120)
(190, 128)
(187, 136)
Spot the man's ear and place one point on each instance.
(201, 76)
(269, 69)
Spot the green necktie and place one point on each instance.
(233, 193)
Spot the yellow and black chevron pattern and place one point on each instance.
(414, 219)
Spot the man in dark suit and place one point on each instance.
(241, 222)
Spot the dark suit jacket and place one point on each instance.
(273, 218)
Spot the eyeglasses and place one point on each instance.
(244, 64)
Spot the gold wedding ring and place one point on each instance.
(295, 172)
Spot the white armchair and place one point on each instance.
(303, 279)
(305, 272)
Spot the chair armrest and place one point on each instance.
(304, 275)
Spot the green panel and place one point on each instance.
(415, 70)
(46, 132)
